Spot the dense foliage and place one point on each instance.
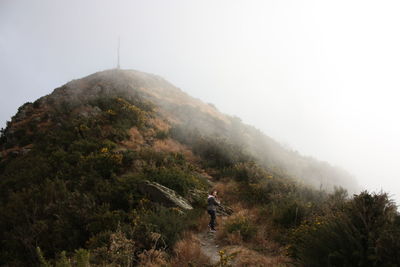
(74, 188)
(364, 232)
(71, 166)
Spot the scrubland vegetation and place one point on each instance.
(69, 194)
(74, 189)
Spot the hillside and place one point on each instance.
(73, 164)
(173, 109)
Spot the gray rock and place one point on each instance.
(163, 195)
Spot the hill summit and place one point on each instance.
(73, 164)
(168, 109)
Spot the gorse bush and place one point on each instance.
(72, 163)
(74, 188)
(120, 112)
(173, 178)
(355, 236)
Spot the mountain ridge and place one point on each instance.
(178, 107)
(72, 164)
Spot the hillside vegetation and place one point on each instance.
(72, 162)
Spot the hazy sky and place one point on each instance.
(319, 76)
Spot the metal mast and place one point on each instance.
(119, 41)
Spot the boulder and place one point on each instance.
(163, 195)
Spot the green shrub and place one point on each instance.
(288, 212)
(173, 178)
(254, 194)
(356, 236)
(242, 225)
(216, 152)
(120, 112)
(389, 243)
(247, 172)
(162, 134)
(3, 138)
(162, 159)
(81, 258)
(63, 261)
(168, 222)
(219, 153)
(118, 250)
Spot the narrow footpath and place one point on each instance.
(209, 246)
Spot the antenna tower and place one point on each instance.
(119, 42)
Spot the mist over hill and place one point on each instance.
(73, 162)
(179, 111)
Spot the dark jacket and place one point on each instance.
(212, 203)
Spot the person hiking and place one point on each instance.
(212, 208)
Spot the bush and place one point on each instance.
(118, 251)
(168, 222)
(162, 134)
(247, 172)
(174, 178)
(356, 236)
(81, 258)
(188, 252)
(219, 153)
(120, 112)
(216, 152)
(241, 225)
(3, 138)
(287, 212)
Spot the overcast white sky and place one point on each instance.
(319, 76)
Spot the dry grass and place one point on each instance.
(203, 222)
(262, 240)
(230, 238)
(172, 146)
(152, 258)
(266, 232)
(227, 191)
(246, 257)
(172, 96)
(234, 238)
(159, 124)
(187, 252)
(136, 139)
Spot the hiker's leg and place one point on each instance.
(210, 224)
(212, 221)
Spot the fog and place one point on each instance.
(320, 77)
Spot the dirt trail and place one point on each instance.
(209, 246)
(247, 256)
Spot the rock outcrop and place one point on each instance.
(163, 195)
